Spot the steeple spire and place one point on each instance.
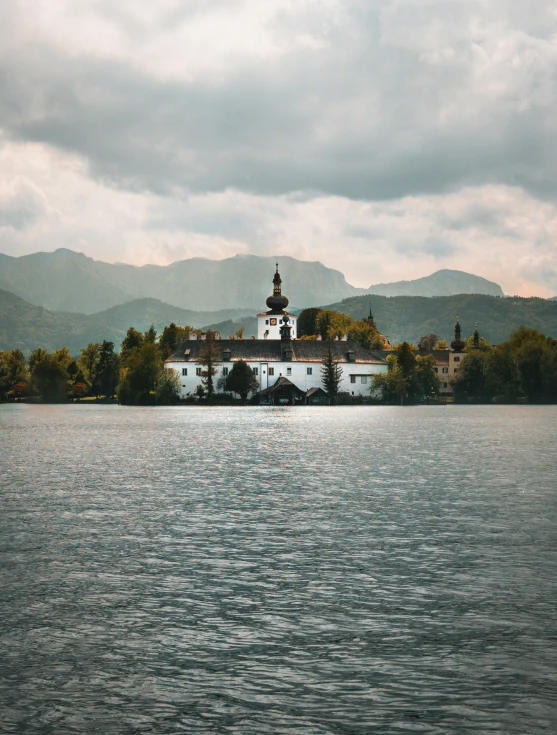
(457, 344)
(277, 303)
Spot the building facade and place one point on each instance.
(278, 354)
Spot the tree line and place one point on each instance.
(135, 374)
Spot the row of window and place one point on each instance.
(309, 371)
(353, 378)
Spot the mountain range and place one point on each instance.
(25, 326)
(64, 280)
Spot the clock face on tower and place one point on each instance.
(273, 322)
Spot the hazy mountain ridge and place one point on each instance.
(24, 326)
(68, 281)
(444, 282)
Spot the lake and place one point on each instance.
(316, 570)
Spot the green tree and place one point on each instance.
(365, 334)
(392, 385)
(331, 375)
(13, 370)
(307, 321)
(107, 372)
(171, 338)
(168, 387)
(472, 380)
(88, 361)
(425, 381)
(209, 356)
(241, 380)
(141, 375)
(150, 335)
(49, 377)
(132, 341)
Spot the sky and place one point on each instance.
(385, 138)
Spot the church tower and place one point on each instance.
(269, 322)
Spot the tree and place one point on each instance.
(426, 383)
(472, 382)
(88, 361)
(78, 390)
(392, 385)
(171, 337)
(13, 369)
(141, 375)
(239, 334)
(428, 342)
(307, 321)
(442, 344)
(107, 372)
(210, 354)
(49, 376)
(132, 341)
(150, 335)
(365, 334)
(241, 379)
(331, 375)
(168, 388)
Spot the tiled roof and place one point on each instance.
(271, 350)
(282, 382)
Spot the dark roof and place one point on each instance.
(318, 391)
(271, 350)
(282, 382)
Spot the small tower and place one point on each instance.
(285, 329)
(476, 338)
(269, 322)
(457, 344)
(369, 319)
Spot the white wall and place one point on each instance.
(298, 375)
(264, 324)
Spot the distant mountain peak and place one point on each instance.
(444, 282)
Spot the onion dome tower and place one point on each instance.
(269, 323)
(457, 344)
(277, 303)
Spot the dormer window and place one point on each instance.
(288, 354)
(350, 356)
(226, 355)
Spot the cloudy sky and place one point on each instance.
(385, 138)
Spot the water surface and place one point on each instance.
(278, 570)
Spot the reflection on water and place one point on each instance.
(247, 571)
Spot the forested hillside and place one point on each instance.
(410, 317)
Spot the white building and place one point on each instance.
(275, 354)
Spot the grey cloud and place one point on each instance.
(361, 118)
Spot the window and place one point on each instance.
(198, 371)
(436, 370)
(309, 371)
(364, 378)
(352, 378)
(457, 359)
(445, 370)
(289, 371)
(444, 385)
(271, 371)
(184, 371)
(266, 321)
(225, 371)
(255, 371)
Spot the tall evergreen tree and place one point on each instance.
(107, 370)
(210, 354)
(331, 375)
